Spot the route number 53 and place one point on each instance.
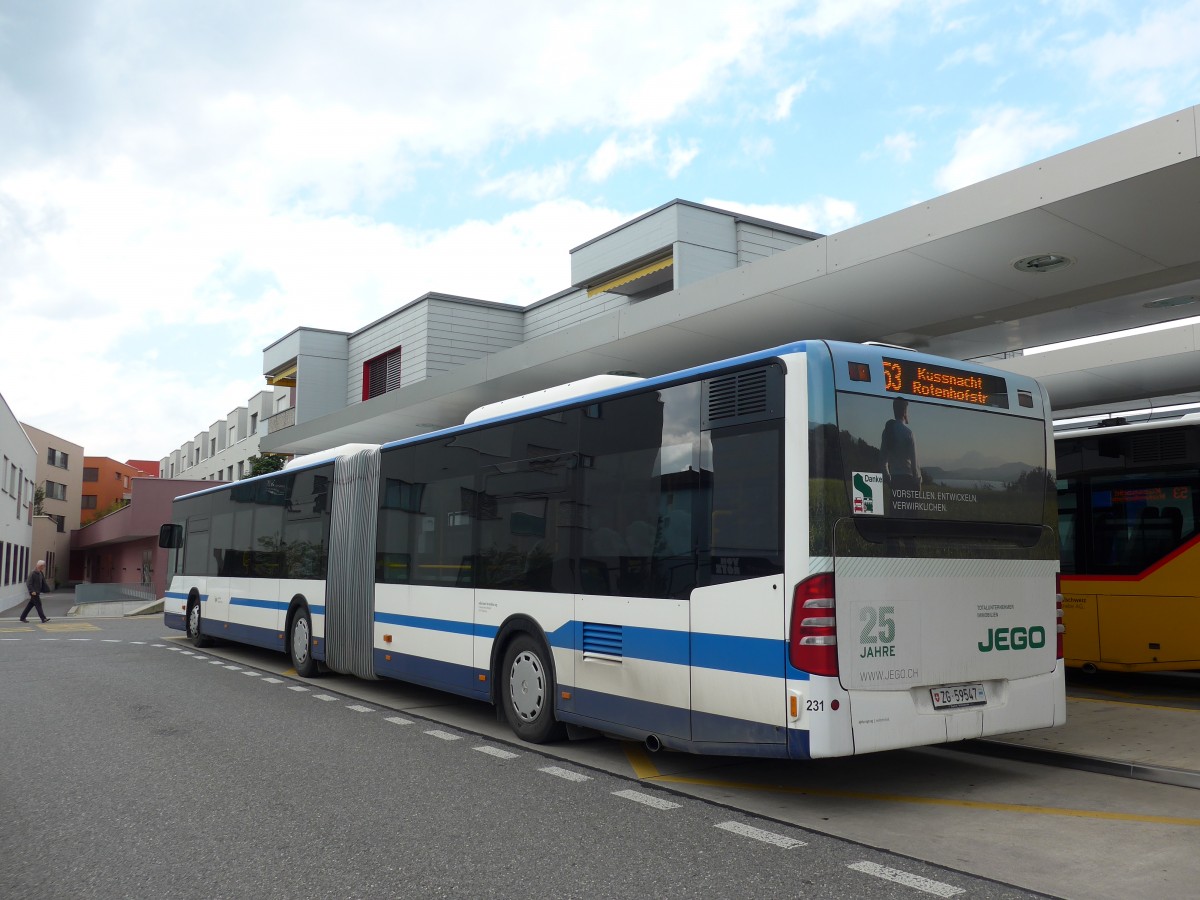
(879, 625)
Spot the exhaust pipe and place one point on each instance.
(1089, 669)
(653, 744)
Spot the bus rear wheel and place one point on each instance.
(527, 691)
(300, 645)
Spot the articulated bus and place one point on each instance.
(817, 550)
(1129, 503)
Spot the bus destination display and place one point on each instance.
(904, 376)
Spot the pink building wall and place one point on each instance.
(111, 550)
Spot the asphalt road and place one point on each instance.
(134, 766)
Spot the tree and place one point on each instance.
(39, 495)
(264, 464)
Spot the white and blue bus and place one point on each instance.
(817, 550)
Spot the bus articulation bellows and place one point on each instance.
(816, 550)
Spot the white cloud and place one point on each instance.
(824, 215)
(782, 108)
(616, 153)
(679, 157)
(1150, 61)
(531, 184)
(980, 54)
(868, 19)
(899, 146)
(1005, 138)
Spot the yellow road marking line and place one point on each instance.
(290, 672)
(68, 626)
(17, 629)
(645, 770)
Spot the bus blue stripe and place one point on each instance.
(729, 653)
(723, 653)
(258, 604)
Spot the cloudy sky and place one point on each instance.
(182, 183)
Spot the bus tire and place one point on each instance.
(300, 644)
(527, 691)
(194, 620)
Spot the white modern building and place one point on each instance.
(222, 451)
(19, 460)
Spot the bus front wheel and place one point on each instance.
(527, 691)
(300, 645)
(193, 626)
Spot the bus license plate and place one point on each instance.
(954, 695)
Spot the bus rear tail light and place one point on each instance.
(813, 642)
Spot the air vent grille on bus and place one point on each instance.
(603, 641)
(1163, 446)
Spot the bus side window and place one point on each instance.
(746, 494)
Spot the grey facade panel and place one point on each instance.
(642, 237)
(570, 310)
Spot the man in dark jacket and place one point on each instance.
(36, 584)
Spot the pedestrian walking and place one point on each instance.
(36, 585)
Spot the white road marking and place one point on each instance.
(234, 668)
(297, 687)
(273, 680)
(359, 708)
(9, 639)
(497, 752)
(142, 643)
(78, 639)
(443, 735)
(326, 697)
(217, 662)
(907, 879)
(396, 720)
(109, 641)
(767, 837)
(253, 674)
(565, 774)
(647, 799)
(51, 639)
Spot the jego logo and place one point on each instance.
(1019, 638)
(868, 493)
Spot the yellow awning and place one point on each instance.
(285, 378)
(645, 270)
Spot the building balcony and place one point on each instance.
(281, 420)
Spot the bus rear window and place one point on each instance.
(903, 459)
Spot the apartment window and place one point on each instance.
(60, 523)
(381, 374)
(56, 458)
(56, 491)
(91, 473)
(212, 447)
(232, 435)
(89, 501)
(117, 476)
(3, 481)
(254, 423)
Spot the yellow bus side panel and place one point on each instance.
(1081, 642)
(1149, 629)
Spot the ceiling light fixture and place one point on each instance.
(1043, 262)
(1169, 302)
